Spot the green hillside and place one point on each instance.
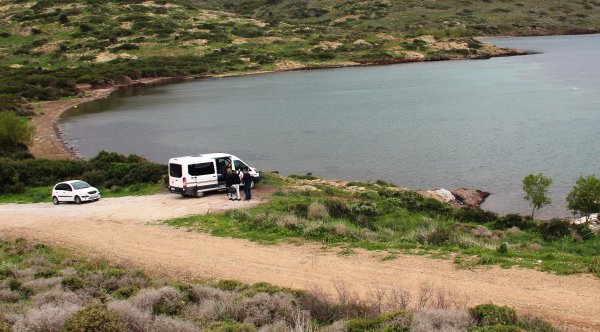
(439, 17)
(49, 47)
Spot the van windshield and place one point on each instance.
(175, 170)
(80, 185)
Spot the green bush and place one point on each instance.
(555, 229)
(491, 314)
(338, 208)
(513, 220)
(14, 132)
(479, 216)
(94, 318)
(106, 170)
(73, 283)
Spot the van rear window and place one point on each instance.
(201, 169)
(175, 170)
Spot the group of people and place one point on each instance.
(233, 179)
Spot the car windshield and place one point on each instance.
(80, 185)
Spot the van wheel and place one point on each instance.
(198, 194)
(252, 184)
(77, 200)
(55, 200)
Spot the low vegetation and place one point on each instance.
(30, 180)
(386, 218)
(46, 289)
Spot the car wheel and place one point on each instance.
(252, 184)
(77, 200)
(55, 200)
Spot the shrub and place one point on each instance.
(134, 319)
(94, 318)
(47, 318)
(263, 308)
(166, 300)
(338, 208)
(395, 321)
(164, 323)
(56, 297)
(445, 320)
(317, 210)
(288, 221)
(368, 209)
(584, 232)
(503, 248)
(14, 132)
(230, 326)
(595, 265)
(513, 220)
(555, 229)
(491, 314)
(72, 283)
(466, 214)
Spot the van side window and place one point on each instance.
(201, 169)
(239, 165)
(175, 170)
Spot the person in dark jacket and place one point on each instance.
(247, 178)
(233, 178)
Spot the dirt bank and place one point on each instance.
(125, 230)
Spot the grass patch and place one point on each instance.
(387, 219)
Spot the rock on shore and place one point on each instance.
(470, 197)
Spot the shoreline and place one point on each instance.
(49, 143)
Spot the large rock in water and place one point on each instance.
(470, 197)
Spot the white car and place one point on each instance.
(74, 191)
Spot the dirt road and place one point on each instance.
(125, 230)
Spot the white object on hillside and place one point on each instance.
(444, 194)
(593, 219)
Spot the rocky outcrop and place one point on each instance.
(470, 197)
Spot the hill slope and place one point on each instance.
(48, 47)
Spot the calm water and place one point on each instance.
(482, 124)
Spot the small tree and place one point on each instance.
(585, 196)
(14, 132)
(536, 191)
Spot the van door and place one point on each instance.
(203, 175)
(175, 177)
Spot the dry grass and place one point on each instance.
(288, 221)
(47, 318)
(263, 309)
(163, 300)
(317, 211)
(441, 320)
(164, 323)
(135, 319)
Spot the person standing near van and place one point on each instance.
(247, 178)
(233, 177)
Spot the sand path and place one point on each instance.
(125, 230)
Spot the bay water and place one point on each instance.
(481, 124)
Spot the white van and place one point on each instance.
(194, 175)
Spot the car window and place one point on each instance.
(239, 165)
(175, 170)
(201, 169)
(67, 187)
(60, 186)
(80, 185)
